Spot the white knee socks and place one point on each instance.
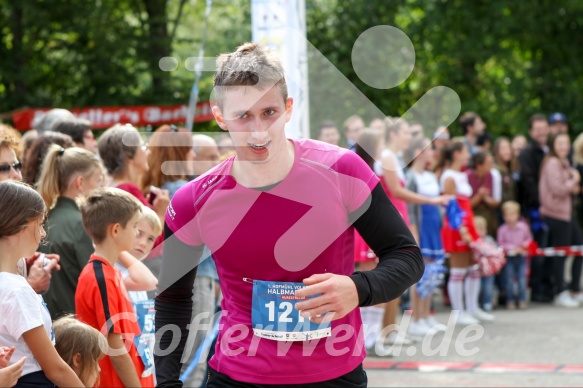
(372, 319)
(472, 288)
(455, 288)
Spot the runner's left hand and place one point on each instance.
(338, 297)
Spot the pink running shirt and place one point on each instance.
(296, 229)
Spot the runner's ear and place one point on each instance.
(288, 108)
(219, 118)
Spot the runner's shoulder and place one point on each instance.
(327, 155)
(209, 180)
(193, 194)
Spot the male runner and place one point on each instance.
(278, 218)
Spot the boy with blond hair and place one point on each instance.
(110, 217)
(139, 276)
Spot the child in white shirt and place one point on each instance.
(26, 323)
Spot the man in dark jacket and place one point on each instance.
(530, 161)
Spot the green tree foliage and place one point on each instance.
(70, 53)
(506, 59)
(77, 53)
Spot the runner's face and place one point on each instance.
(256, 120)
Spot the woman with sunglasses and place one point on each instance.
(10, 167)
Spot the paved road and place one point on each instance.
(541, 346)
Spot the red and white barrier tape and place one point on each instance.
(574, 250)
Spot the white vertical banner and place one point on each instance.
(281, 25)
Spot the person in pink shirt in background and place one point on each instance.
(557, 184)
(514, 237)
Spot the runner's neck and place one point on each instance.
(255, 175)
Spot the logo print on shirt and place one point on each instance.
(171, 211)
(210, 181)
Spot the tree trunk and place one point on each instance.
(158, 45)
(18, 56)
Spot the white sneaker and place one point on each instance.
(418, 330)
(434, 324)
(564, 299)
(397, 338)
(425, 324)
(465, 319)
(379, 350)
(482, 315)
(578, 297)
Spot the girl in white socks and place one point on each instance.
(425, 224)
(464, 279)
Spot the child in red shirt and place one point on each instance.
(110, 217)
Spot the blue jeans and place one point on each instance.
(487, 288)
(515, 269)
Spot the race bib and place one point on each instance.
(145, 341)
(275, 317)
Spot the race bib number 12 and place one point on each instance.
(275, 317)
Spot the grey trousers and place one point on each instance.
(203, 310)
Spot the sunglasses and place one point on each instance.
(4, 168)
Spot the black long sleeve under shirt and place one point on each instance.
(380, 225)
